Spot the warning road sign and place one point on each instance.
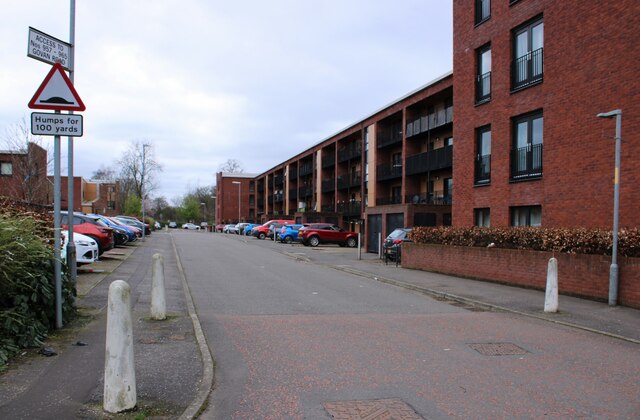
(57, 93)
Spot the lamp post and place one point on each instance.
(613, 270)
(213, 213)
(239, 184)
(204, 214)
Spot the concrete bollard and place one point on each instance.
(119, 367)
(158, 300)
(551, 294)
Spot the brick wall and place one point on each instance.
(578, 274)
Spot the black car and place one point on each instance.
(392, 245)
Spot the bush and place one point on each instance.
(572, 241)
(27, 281)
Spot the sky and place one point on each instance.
(207, 81)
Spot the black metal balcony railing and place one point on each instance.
(438, 198)
(306, 192)
(389, 136)
(350, 152)
(293, 194)
(386, 172)
(328, 185)
(349, 181)
(483, 169)
(328, 208)
(433, 160)
(431, 121)
(278, 179)
(328, 160)
(383, 201)
(349, 208)
(306, 169)
(483, 87)
(293, 173)
(260, 188)
(528, 69)
(526, 162)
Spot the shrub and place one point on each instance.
(573, 241)
(27, 281)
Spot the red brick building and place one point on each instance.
(235, 197)
(529, 78)
(89, 196)
(23, 174)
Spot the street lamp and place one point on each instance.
(239, 195)
(204, 214)
(613, 270)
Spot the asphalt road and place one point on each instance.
(295, 339)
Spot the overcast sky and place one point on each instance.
(207, 81)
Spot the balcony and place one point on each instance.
(260, 188)
(293, 173)
(306, 192)
(328, 185)
(526, 162)
(278, 198)
(483, 169)
(389, 136)
(293, 194)
(386, 172)
(328, 160)
(260, 202)
(527, 70)
(350, 152)
(384, 201)
(433, 160)
(328, 208)
(349, 181)
(437, 198)
(428, 122)
(306, 169)
(483, 87)
(350, 208)
(278, 180)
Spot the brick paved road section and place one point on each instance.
(385, 409)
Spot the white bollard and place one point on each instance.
(158, 300)
(119, 367)
(551, 294)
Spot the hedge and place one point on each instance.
(573, 241)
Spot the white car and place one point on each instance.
(86, 248)
(190, 226)
(229, 229)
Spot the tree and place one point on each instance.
(138, 169)
(132, 206)
(190, 209)
(104, 173)
(231, 166)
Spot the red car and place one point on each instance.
(90, 226)
(327, 233)
(266, 229)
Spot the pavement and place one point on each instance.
(174, 366)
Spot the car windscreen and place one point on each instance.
(398, 234)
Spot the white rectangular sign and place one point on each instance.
(46, 48)
(48, 124)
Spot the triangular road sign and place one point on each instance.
(56, 92)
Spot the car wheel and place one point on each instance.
(287, 239)
(314, 241)
(351, 242)
(261, 235)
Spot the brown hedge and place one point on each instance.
(573, 241)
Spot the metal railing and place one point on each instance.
(328, 185)
(383, 201)
(424, 123)
(483, 169)
(352, 151)
(438, 198)
(528, 69)
(350, 208)
(441, 158)
(385, 172)
(526, 162)
(349, 181)
(483, 87)
(306, 169)
(328, 160)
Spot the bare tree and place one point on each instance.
(232, 166)
(138, 169)
(105, 173)
(30, 162)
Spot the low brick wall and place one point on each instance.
(578, 274)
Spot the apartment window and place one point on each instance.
(482, 217)
(396, 195)
(483, 155)
(448, 141)
(111, 205)
(483, 10)
(483, 74)
(6, 168)
(526, 155)
(528, 46)
(526, 216)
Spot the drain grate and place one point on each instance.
(384, 409)
(498, 349)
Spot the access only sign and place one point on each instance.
(47, 124)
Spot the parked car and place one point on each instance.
(266, 229)
(219, 227)
(391, 247)
(92, 227)
(249, 229)
(327, 233)
(190, 226)
(121, 234)
(132, 221)
(231, 228)
(173, 225)
(241, 227)
(289, 233)
(86, 248)
(136, 231)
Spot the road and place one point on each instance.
(296, 339)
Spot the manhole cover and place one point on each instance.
(387, 409)
(498, 349)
